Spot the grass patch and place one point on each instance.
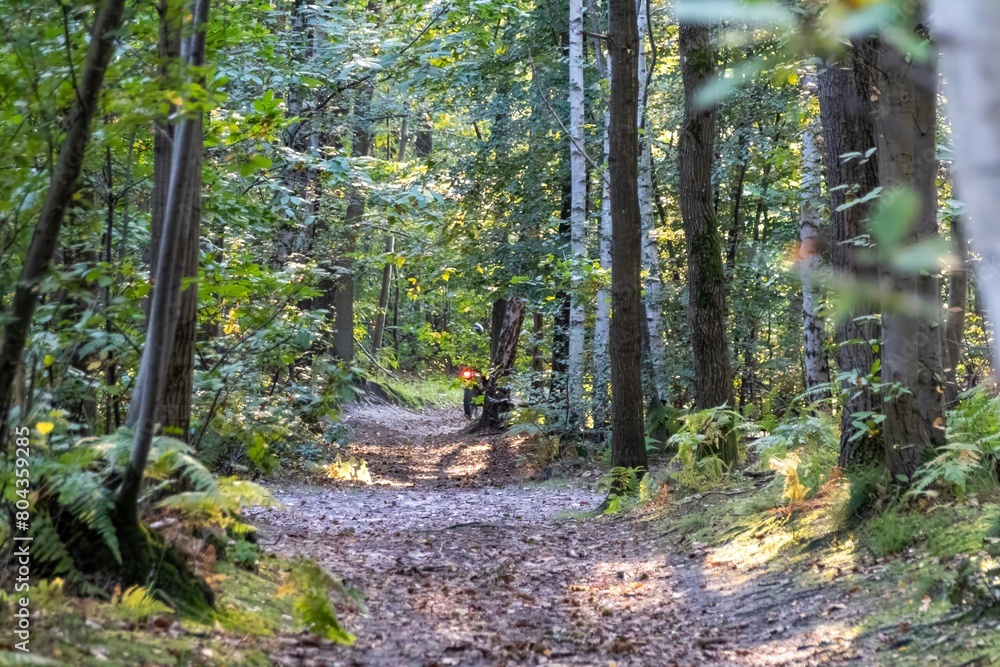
(891, 531)
(251, 612)
(419, 394)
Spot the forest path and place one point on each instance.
(464, 560)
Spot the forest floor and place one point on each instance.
(466, 555)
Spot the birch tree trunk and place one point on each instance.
(650, 251)
(958, 302)
(578, 213)
(966, 33)
(628, 435)
(911, 334)
(61, 188)
(602, 321)
(602, 315)
(813, 325)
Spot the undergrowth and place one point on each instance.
(421, 393)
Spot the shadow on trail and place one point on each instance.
(463, 562)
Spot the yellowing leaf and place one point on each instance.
(45, 427)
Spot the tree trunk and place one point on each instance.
(559, 381)
(601, 409)
(845, 92)
(628, 436)
(578, 215)
(911, 347)
(967, 34)
(958, 302)
(817, 365)
(164, 311)
(706, 278)
(174, 411)
(653, 302)
(61, 188)
(496, 396)
(383, 295)
(537, 362)
(343, 296)
(602, 317)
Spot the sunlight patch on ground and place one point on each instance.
(472, 460)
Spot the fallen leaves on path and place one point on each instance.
(462, 560)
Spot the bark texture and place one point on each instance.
(817, 365)
(496, 396)
(706, 277)
(578, 214)
(163, 316)
(653, 301)
(845, 100)
(628, 444)
(912, 332)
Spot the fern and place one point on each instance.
(47, 547)
(311, 585)
(77, 487)
(973, 447)
(136, 604)
(697, 442)
(221, 505)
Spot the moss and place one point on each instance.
(248, 611)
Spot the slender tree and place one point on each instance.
(578, 213)
(958, 302)
(602, 313)
(383, 295)
(966, 33)
(174, 412)
(343, 296)
(650, 250)
(62, 185)
(163, 312)
(810, 262)
(628, 445)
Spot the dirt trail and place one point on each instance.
(463, 560)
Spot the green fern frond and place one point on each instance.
(84, 495)
(47, 547)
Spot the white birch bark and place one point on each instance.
(602, 322)
(966, 33)
(653, 285)
(817, 365)
(578, 210)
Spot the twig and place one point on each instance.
(372, 358)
